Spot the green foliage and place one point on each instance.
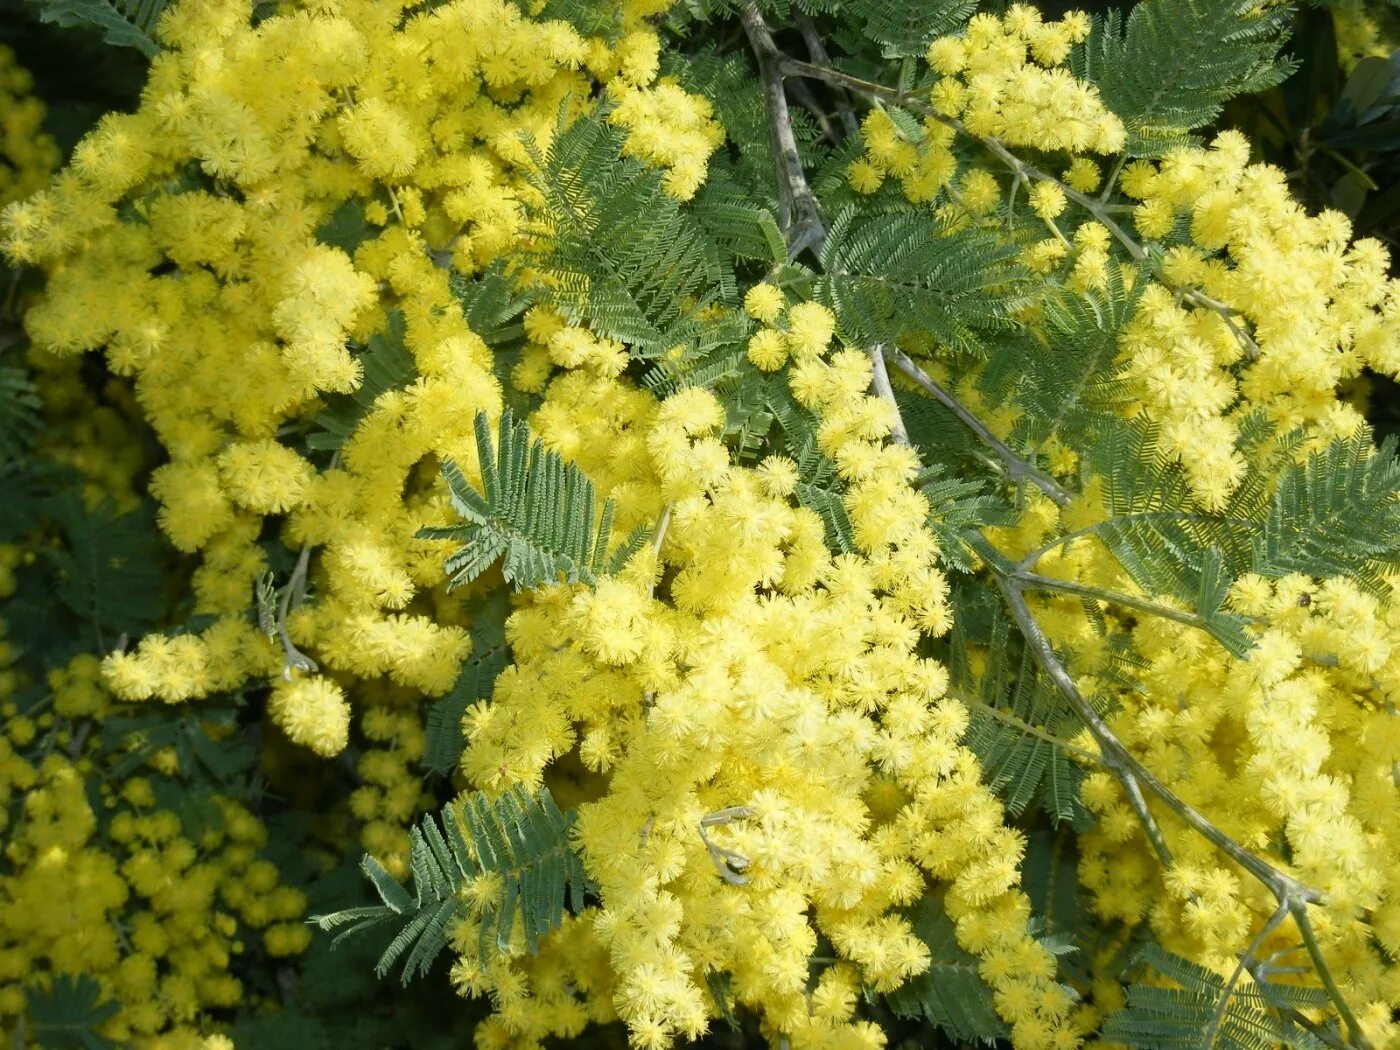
(1200, 1010)
(63, 1018)
(125, 23)
(890, 277)
(207, 743)
(621, 255)
(1335, 132)
(1174, 63)
(950, 993)
(535, 514)
(386, 365)
(589, 17)
(443, 741)
(1018, 725)
(522, 841)
(107, 570)
(957, 505)
(347, 228)
(905, 29)
(1335, 514)
(1070, 380)
(19, 413)
(493, 305)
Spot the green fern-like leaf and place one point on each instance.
(125, 23)
(903, 274)
(1335, 514)
(535, 515)
(64, 1017)
(619, 254)
(443, 739)
(493, 304)
(1165, 542)
(906, 29)
(19, 413)
(386, 365)
(1069, 382)
(950, 993)
(523, 841)
(589, 17)
(955, 506)
(820, 489)
(1017, 725)
(109, 570)
(1182, 1006)
(1175, 63)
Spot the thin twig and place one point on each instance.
(293, 658)
(1116, 757)
(881, 383)
(1015, 465)
(1033, 581)
(1213, 1029)
(662, 523)
(798, 215)
(1146, 515)
(1228, 315)
(1112, 179)
(816, 47)
(1303, 921)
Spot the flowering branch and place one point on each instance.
(1033, 581)
(1015, 465)
(294, 658)
(1135, 778)
(1021, 170)
(798, 215)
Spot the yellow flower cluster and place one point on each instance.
(27, 154)
(923, 166)
(153, 908)
(767, 785)
(1281, 307)
(1006, 77)
(183, 240)
(763, 756)
(1293, 752)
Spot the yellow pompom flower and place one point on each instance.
(312, 712)
(764, 302)
(264, 476)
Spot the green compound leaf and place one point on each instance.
(65, 1016)
(1175, 63)
(524, 841)
(443, 742)
(124, 23)
(535, 514)
(620, 255)
(950, 993)
(1337, 513)
(903, 274)
(386, 365)
(1178, 1005)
